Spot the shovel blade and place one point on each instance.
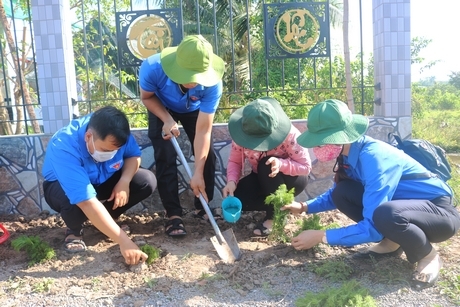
(227, 247)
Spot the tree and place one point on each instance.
(454, 79)
(21, 67)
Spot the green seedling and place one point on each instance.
(16, 283)
(313, 222)
(44, 285)
(349, 294)
(37, 250)
(278, 199)
(335, 271)
(152, 252)
(150, 282)
(450, 285)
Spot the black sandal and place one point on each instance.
(264, 231)
(175, 224)
(202, 215)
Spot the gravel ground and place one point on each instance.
(189, 272)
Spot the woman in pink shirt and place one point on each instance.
(263, 134)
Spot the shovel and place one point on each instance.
(224, 242)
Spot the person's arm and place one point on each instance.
(101, 219)
(201, 146)
(120, 191)
(154, 105)
(299, 162)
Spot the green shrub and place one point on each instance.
(37, 250)
(278, 199)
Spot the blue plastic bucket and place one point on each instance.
(231, 209)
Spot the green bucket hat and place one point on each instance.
(260, 125)
(331, 122)
(193, 61)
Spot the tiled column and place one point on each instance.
(55, 61)
(392, 66)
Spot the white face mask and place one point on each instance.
(101, 156)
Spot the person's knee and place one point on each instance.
(383, 216)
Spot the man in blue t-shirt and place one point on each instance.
(182, 84)
(91, 171)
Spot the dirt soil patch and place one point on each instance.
(189, 272)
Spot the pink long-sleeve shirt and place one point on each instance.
(295, 159)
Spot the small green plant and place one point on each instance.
(44, 285)
(37, 250)
(450, 285)
(150, 282)
(278, 199)
(313, 222)
(349, 294)
(152, 252)
(334, 270)
(16, 283)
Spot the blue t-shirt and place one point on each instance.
(379, 167)
(153, 79)
(68, 161)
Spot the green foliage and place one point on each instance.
(450, 285)
(349, 294)
(37, 250)
(44, 285)
(454, 79)
(313, 222)
(152, 252)
(335, 271)
(278, 199)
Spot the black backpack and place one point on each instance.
(431, 156)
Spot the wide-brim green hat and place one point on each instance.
(331, 122)
(193, 61)
(260, 125)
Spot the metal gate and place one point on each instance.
(280, 49)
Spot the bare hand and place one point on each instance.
(307, 239)
(295, 207)
(131, 252)
(170, 129)
(229, 189)
(120, 194)
(275, 166)
(198, 186)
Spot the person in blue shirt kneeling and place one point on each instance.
(375, 187)
(91, 172)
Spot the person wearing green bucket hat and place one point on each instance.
(182, 84)
(263, 135)
(391, 197)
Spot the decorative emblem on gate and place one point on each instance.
(296, 30)
(144, 33)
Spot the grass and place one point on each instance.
(44, 285)
(334, 270)
(350, 293)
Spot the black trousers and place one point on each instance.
(255, 187)
(141, 186)
(166, 165)
(412, 223)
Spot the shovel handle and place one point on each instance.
(203, 201)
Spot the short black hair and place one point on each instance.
(110, 121)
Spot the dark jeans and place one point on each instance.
(255, 187)
(141, 186)
(166, 166)
(412, 223)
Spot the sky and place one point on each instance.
(437, 20)
(440, 21)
